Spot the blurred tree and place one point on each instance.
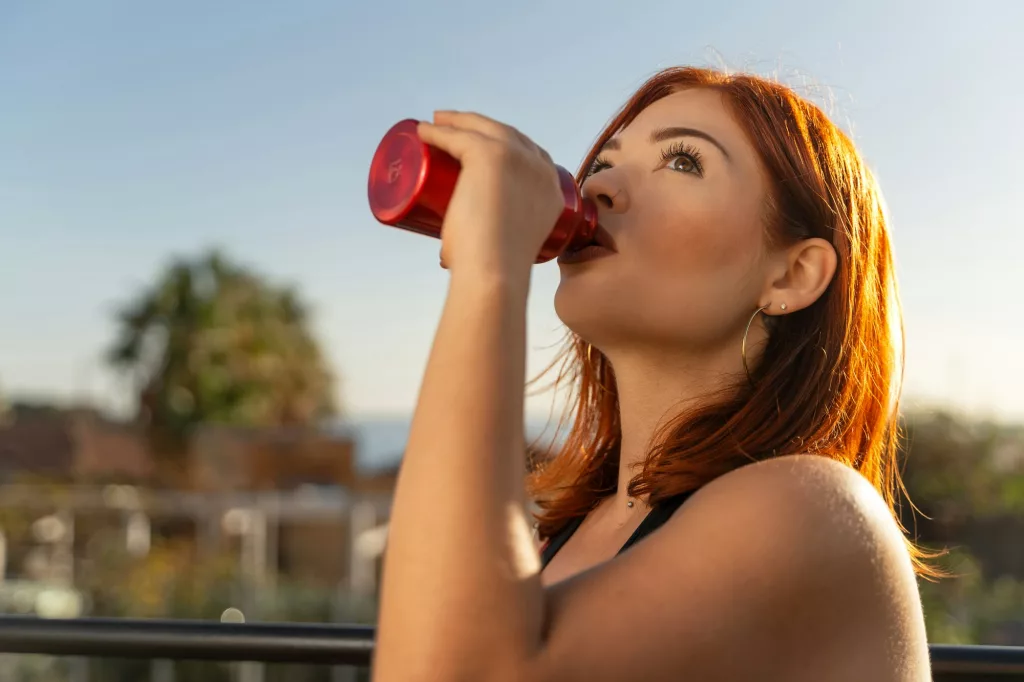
(966, 476)
(967, 609)
(5, 408)
(213, 342)
(960, 468)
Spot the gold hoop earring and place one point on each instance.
(743, 346)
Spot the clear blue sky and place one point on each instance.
(133, 131)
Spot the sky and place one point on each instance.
(134, 132)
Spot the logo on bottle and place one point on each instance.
(394, 171)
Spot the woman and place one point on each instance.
(723, 508)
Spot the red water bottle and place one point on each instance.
(411, 184)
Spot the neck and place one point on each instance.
(654, 389)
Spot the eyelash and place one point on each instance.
(676, 150)
(682, 149)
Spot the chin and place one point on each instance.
(586, 309)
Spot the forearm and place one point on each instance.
(461, 592)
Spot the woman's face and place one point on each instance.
(681, 192)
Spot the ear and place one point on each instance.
(800, 276)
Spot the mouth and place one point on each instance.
(603, 238)
(600, 245)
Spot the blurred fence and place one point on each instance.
(349, 645)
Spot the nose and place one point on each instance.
(607, 191)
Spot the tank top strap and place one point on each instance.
(555, 542)
(654, 520)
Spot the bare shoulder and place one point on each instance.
(819, 515)
(788, 569)
(806, 497)
(824, 533)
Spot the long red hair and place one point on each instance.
(829, 378)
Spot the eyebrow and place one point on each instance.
(662, 134)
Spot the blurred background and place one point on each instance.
(209, 350)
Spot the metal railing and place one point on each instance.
(335, 644)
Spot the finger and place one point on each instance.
(470, 120)
(455, 141)
(440, 258)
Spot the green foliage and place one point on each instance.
(169, 582)
(173, 581)
(967, 609)
(213, 342)
(5, 408)
(960, 468)
(967, 475)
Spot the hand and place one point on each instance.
(506, 201)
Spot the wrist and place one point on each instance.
(494, 284)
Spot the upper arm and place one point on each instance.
(787, 569)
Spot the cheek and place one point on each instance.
(686, 272)
(685, 239)
(697, 261)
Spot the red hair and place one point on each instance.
(829, 378)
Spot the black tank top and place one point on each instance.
(654, 520)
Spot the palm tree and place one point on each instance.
(213, 342)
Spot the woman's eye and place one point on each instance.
(683, 158)
(597, 166)
(683, 164)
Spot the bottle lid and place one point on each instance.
(397, 172)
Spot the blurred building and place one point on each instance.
(288, 502)
(70, 446)
(317, 468)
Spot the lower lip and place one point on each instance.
(591, 252)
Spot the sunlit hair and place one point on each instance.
(829, 378)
